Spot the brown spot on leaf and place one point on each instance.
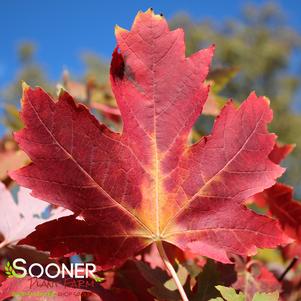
(117, 65)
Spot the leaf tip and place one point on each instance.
(137, 17)
(119, 30)
(253, 95)
(61, 91)
(25, 86)
(149, 11)
(267, 100)
(25, 89)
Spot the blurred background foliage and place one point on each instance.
(256, 51)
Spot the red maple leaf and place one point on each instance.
(147, 184)
(278, 154)
(283, 206)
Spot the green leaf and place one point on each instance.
(229, 294)
(266, 296)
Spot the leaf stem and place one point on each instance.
(171, 270)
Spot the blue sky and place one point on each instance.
(64, 29)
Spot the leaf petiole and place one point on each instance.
(171, 270)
